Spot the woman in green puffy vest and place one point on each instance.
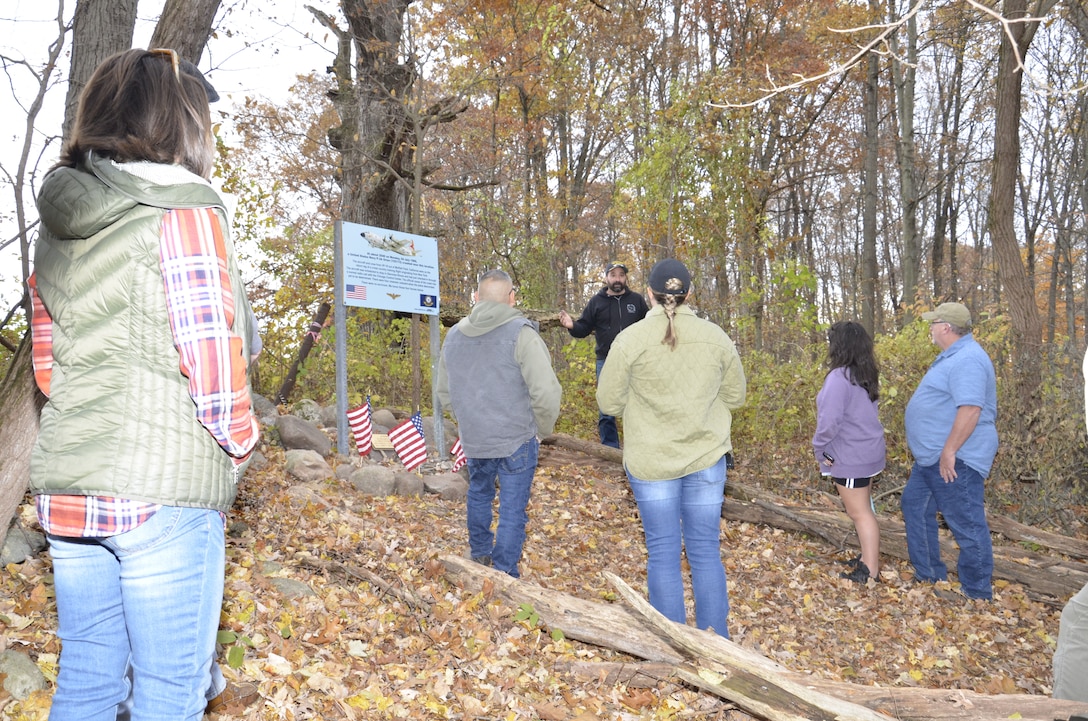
(141, 340)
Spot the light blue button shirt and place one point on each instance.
(962, 375)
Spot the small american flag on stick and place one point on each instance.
(458, 454)
(409, 443)
(359, 420)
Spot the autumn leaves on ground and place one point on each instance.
(380, 633)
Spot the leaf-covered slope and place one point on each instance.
(381, 633)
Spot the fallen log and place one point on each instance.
(586, 621)
(613, 673)
(608, 453)
(1021, 533)
(615, 627)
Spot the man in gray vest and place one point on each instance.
(495, 375)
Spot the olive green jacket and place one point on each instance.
(677, 404)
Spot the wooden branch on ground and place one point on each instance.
(699, 658)
(589, 448)
(1018, 532)
(362, 574)
(606, 625)
(614, 673)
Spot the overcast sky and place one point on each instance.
(261, 46)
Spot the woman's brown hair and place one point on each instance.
(138, 106)
(670, 302)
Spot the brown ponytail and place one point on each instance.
(670, 302)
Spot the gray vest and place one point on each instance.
(487, 391)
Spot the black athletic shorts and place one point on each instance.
(852, 482)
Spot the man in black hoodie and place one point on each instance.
(608, 312)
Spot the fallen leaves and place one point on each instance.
(374, 630)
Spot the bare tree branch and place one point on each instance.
(19, 181)
(887, 30)
(840, 69)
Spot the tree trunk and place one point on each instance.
(185, 26)
(308, 341)
(373, 137)
(868, 183)
(1023, 312)
(100, 28)
(18, 429)
(903, 73)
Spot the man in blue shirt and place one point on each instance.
(951, 432)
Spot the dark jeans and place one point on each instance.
(514, 475)
(606, 425)
(961, 504)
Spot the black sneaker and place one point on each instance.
(482, 560)
(860, 574)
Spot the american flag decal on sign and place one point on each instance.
(355, 292)
(359, 420)
(409, 443)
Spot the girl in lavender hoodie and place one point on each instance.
(849, 440)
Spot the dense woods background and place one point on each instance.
(810, 161)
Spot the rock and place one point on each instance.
(21, 675)
(237, 529)
(262, 406)
(449, 430)
(307, 465)
(257, 462)
(308, 493)
(327, 417)
(408, 484)
(383, 417)
(374, 480)
(307, 409)
(20, 544)
(448, 486)
(380, 456)
(298, 433)
(291, 588)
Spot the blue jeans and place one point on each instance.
(217, 684)
(514, 475)
(961, 504)
(606, 425)
(686, 511)
(150, 598)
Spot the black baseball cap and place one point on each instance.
(670, 276)
(189, 69)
